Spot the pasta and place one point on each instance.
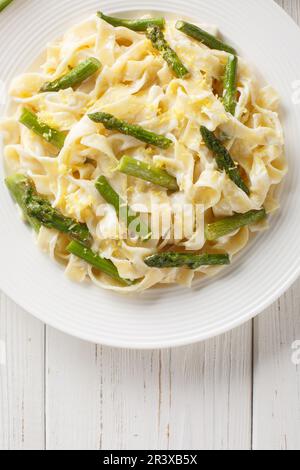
(135, 84)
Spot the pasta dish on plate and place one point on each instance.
(143, 152)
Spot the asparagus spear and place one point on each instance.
(75, 77)
(228, 225)
(32, 122)
(114, 124)
(131, 167)
(104, 265)
(230, 88)
(49, 217)
(39, 211)
(21, 189)
(135, 25)
(223, 158)
(122, 210)
(188, 260)
(203, 36)
(156, 36)
(4, 4)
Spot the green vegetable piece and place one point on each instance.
(33, 123)
(156, 36)
(188, 260)
(223, 158)
(226, 226)
(230, 85)
(200, 35)
(75, 77)
(122, 210)
(150, 173)
(114, 124)
(4, 4)
(138, 25)
(38, 210)
(92, 258)
(21, 190)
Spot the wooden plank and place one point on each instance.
(197, 397)
(292, 7)
(21, 379)
(276, 406)
(72, 393)
(134, 385)
(212, 394)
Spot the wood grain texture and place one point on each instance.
(197, 397)
(73, 394)
(188, 398)
(21, 379)
(210, 393)
(276, 405)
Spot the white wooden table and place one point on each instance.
(238, 391)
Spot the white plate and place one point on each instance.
(172, 316)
